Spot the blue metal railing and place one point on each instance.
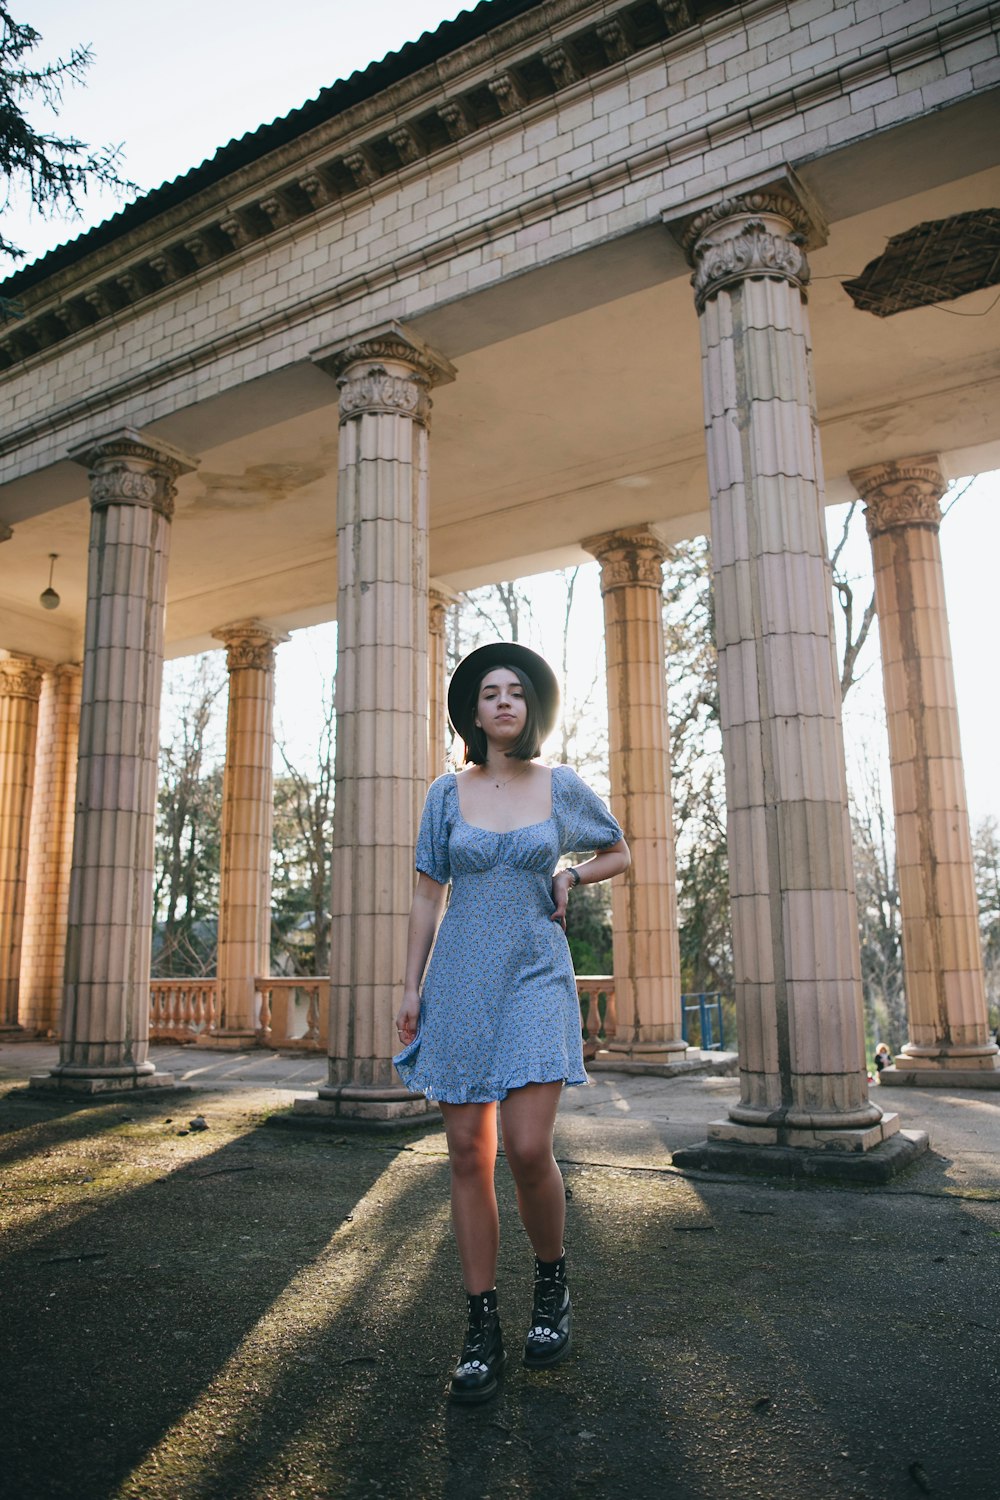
(709, 1008)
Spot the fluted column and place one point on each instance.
(942, 963)
(105, 1021)
(381, 767)
(43, 948)
(247, 820)
(20, 686)
(439, 601)
(795, 932)
(643, 904)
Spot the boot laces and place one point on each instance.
(549, 1297)
(473, 1354)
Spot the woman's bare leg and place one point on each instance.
(472, 1149)
(528, 1116)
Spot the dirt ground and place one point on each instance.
(249, 1313)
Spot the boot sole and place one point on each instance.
(484, 1393)
(545, 1362)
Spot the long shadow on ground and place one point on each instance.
(272, 1314)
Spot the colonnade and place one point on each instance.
(798, 991)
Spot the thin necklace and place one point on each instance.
(502, 786)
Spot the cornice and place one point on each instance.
(22, 347)
(469, 92)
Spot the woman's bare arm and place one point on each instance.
(425, 914)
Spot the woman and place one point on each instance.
(498, 1019)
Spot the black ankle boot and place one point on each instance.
(477, 1373)
(550, 1335)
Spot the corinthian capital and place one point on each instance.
(760, 234)
(439, 601)
(629, 558)
(20, 677)
(250, 643)
(389, 371)
(902, 492)
(126, 469)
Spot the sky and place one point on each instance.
(174, 85)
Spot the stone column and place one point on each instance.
(946, 999)
(795, 933)
(43, 950)
(440, 601)
(20, 686)
(381, 767)
(105, 1022)
(247, 820)
(643, 904)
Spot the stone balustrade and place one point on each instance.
(182, 1009)
(294, 1013)
(294, 1010)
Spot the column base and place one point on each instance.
(229, 1041)
(830, 1138)
(349, 1107)
(840, 1156)
(940, 1078)
(15, 1033)
(916, 1058)
(679, 1064)
(104, 1084)
(662, 1051)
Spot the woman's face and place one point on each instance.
(500, 708)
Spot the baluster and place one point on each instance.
(312, 1015)
(266, 1013)
(610, 1017)
(323, 1002)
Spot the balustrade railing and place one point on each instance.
(292, 1015)
(180, 1009)
(598, 1016)
(294, 1012)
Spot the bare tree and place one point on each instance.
(189, 810)
(499, 610)
(879, 919)
(986, 860)
(699, 791)
(303, 840)
(859, 617)
(855, 633)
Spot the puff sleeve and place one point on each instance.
(583, 819)
(435, 831)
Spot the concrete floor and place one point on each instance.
(246, 1313)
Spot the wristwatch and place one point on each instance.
(574, 875)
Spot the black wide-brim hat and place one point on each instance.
(501, 654)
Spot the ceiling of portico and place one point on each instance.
(577, 408)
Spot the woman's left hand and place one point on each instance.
(561, 884)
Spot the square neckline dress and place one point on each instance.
(498, 1007)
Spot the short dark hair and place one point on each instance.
(530, 742)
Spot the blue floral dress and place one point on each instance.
(498, 1006)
